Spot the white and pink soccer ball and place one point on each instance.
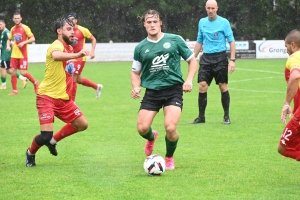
(154, 165)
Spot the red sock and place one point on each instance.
(34, 147)
(292, 154)
(14, 81)
(65, 131)
(29, 77)
(74, 91)
(88, 83)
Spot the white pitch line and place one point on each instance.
(260, 91)
(264, 71)
(253, 79)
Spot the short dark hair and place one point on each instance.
(60, 22)
(73, 14)
(1, 20)
(293, 36)
(17, 13)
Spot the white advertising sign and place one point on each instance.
(270, 49)
(239, 45)
(104, 52)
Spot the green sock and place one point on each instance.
(3, 80)
(19, 76)
(171, 147)
(149, 135)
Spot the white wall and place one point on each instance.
(124, 51)
(104, 52)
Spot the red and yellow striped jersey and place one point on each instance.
(57, 82)
(80, 34)
(20, 33)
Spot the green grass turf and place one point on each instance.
(213, 161)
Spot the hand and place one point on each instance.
(286, 111)
(231, 67)
(8, 48)
(21, 44)
(187, 86)
(92, 55)
(135, 92)
(84, 52)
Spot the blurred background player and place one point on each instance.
(80, 34)
(54, 93)
(22, 35)
(289, 144)
(5, 57)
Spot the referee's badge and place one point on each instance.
(167, 45)
(216, 34)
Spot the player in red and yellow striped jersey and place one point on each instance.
(80, 34)
(289, 144)
(22, 35)
(54, 93)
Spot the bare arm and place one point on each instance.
(231, 65)
(197, 49)
(63, 56)
(30, 40)
(94, 42)
(232, 50)
(292, 88)
(193, 66)
(293, 85)
(8, 43)
(136, 83)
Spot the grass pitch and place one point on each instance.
(213, 161)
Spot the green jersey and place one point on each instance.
(5, 55)
(159, 61)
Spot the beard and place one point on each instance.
(68, 40)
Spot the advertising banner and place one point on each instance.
(244, 49)
(270, 49)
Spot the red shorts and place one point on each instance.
(19, 63)
(65, 110)
(290, 138)
(79, 65)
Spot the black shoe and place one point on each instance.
(226, 120)
(52, 149)
(198, 120)
(30, 160)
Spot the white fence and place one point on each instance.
(124, 51)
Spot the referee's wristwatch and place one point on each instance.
(232, 59)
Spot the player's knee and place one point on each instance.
(44, 137)
(170, 128)
(82, 126)
(203, 86)
(23, 73)
(142, 129)
(280, 149)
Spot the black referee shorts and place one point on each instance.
(213, 66)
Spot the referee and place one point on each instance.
(213, 32)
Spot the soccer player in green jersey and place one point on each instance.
(5, 57)
(156, 67)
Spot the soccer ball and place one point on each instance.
(154, 165)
